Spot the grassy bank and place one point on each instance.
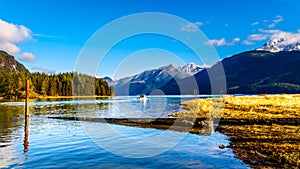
(264, 130)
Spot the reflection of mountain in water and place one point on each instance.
(12, 115)
(11, 118)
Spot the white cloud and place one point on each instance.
(272, 34)
(48, 36)
(43, 70)
(222, 42)
(290, 38)
(248, 42)
(278, 19)
(255, 23)
(236, 40)
(42, 35)
(257, 37)
(9, 47)
(263, 35)
(270, 31)
(191, 27)
(26, 56)
(206, 66)
(11, 35)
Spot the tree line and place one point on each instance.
(12, 85)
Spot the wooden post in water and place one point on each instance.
(195, 93)
(27, 99)
(26, 143)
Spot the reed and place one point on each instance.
(261, 146)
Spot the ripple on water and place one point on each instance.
(64, 144)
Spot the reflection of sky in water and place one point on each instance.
(113, 107)
(64, 144)
(9, 153)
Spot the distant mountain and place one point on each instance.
(278, 45)
(147, 81)
(191, 69)
(109, 81)
(251, 72)
(9, 64)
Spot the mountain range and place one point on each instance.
(278, 45)
(251, 72)
(272, 68)
(149, 80)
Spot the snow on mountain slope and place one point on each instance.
(278, 45)
(152, 79)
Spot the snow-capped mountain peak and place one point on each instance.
(278, 45)
(109, 81)
(168, 68)
(148, 80)
(191, 68)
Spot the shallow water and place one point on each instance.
(68, 144)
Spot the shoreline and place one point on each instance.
(70, 97)
(53, 97)
(263, 143)
(264, 130)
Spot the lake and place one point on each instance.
(55, 143)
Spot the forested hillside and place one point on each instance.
(9, 64)
(13, 76)
(251, 72)
(12, 85)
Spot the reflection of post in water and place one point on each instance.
(195, 93)
(26, 143)
(207, 128)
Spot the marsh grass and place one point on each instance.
(261, 146)
(247, 107)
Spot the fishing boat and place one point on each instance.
(142, 97)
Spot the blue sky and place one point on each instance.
(56, 31)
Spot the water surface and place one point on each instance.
(65, 144)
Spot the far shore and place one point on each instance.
(70, 97)
(32, 99)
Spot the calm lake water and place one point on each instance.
(57, 143)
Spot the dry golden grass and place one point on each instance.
(261, 146)
(275, 146)
(202, 108)
(244, 107)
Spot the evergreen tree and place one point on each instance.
(12, 85)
